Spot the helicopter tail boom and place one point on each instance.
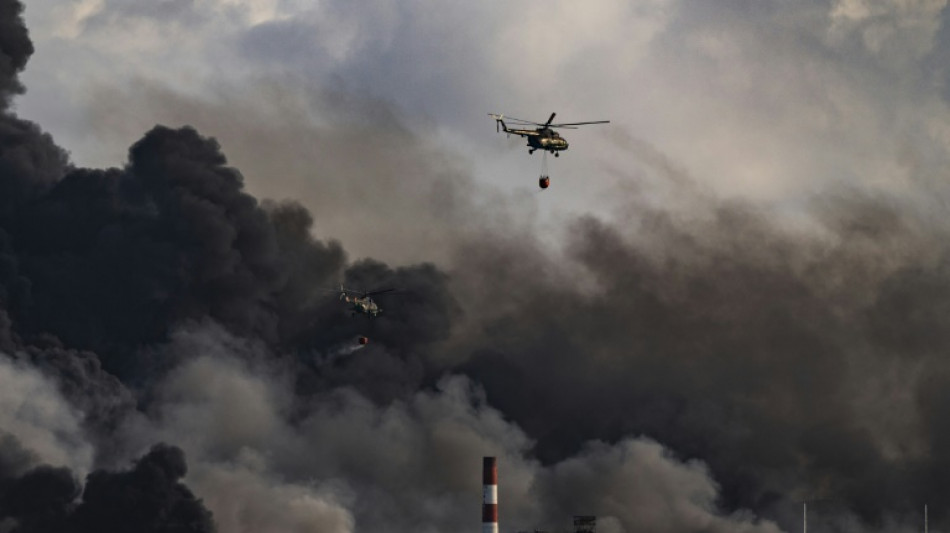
(499, 122)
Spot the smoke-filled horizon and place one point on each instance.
(172, 357)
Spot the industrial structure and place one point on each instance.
(585, 524)
(582, 523)
(489, 495)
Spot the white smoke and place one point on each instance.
(37, 415)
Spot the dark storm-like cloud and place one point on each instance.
(15, 50)
(174, 236)
(40, 500)
(98, 266)
(110, 260)
(103, 242)
(29, 160)
(148, 497)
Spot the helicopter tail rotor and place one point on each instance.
(499, 121)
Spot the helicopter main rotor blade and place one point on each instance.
(514, 120)
(342, 290)
(510, 120)
(565, 124)
(380, 291)
(338, 289)
(548, 124)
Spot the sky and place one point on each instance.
(732, 298)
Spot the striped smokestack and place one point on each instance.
(489, 495)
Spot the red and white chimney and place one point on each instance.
(489, 495)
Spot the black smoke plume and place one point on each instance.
(15, 49)
(149, 497)
(98, 268)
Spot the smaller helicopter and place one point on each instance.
(361, 301)
(544, 137)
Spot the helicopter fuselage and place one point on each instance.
(549, 140)
(364, 305)
(542, 139)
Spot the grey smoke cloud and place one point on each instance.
(344, 463)
(35, 414)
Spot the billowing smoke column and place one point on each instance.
(176, 206)
(490, 495)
